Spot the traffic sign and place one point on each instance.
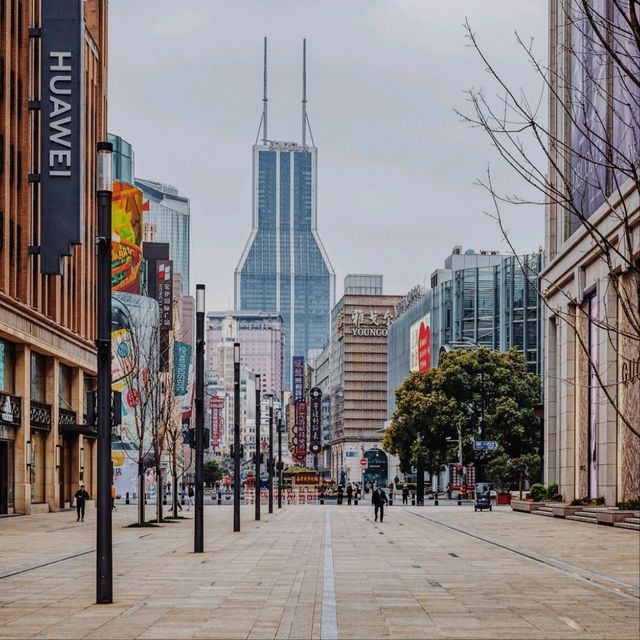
(364, 463)
(485, 445)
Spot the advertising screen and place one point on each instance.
(126, 238)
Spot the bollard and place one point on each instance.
(219, 497)
(390, 498)
(435, 500)
(413, 499)
(355, 502)
(322, 498)
(460, 499)
(126, 501)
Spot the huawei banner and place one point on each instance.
(420, 351)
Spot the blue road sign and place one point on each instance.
(485, 445)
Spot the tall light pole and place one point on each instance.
(104, 550)
(280, 458)
(236, 436)
(258, 453)
(198, 533)
(270, 465)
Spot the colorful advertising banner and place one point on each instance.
(315, 420)
(298, 378)
(61, 132)
(420, 348)
(126, 238)
(181, 362)
(300, 436)
(216, 405)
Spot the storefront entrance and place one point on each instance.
(6, 476)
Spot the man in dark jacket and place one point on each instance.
(379, 499)
(405, 493)
(81, 496)
(349, 494)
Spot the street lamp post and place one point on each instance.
(258, 453)
(279, 458)
(198, 538)
(104, 550)
(270, 465)
(236, 436)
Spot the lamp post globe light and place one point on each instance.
(198, 537)
(104, 551)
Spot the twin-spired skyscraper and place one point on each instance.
(284, 267)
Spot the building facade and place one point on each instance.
(261, 338)
(479, 299)
(47, 323)
(169, 212)
(592, 275)
(284, 267)
(358, 378)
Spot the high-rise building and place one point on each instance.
(479, 298)
(169, 212)
(47, 322)
(284, 267)
(357, 377)
(261, 339)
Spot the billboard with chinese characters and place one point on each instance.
(216, 406)
(420, 344)
(298, 378)
(315, 420)
(370, 323)
(126, 238)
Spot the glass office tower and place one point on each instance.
(284, 267)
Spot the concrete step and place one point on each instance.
(581, 516)
(543, 511)
(628, 525)
(632, 520)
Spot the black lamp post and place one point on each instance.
(257, 454)
(270, 465)
(279, 458)
(104, 556)
(198, 534)
(236, 436)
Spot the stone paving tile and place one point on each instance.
(396, 580)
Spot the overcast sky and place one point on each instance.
(396, 165)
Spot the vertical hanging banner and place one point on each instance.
(300, 451)
(181, 362)
(61, 131)
(298, 378)
(164, 296)
(315, 420)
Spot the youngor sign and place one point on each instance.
(61, 131)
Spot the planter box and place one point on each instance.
(563, 510)
(503, 498)
(526, 506)
(615, 516)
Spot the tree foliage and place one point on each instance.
(485, 394)
(212, 472)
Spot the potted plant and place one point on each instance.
(503, 497)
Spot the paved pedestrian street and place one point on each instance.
(323, 572)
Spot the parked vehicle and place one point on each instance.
(483, 499)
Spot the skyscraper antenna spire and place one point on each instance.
(264, 96)
(304, 92)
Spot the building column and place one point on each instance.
(23, 434)
(52, 483)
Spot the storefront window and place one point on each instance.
(38, 377)
(65, 383)
(7, 366)
(38, 465)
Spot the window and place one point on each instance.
(65, 384)
(38, 377)
(7, 366)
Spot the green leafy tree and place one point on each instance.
(480, 393)
(212, 472)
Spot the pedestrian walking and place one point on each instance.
(340, 494)
(113, 497)
(405, 493)
(81, 496)
(190, 494)
(379, 499)
(349, 494)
